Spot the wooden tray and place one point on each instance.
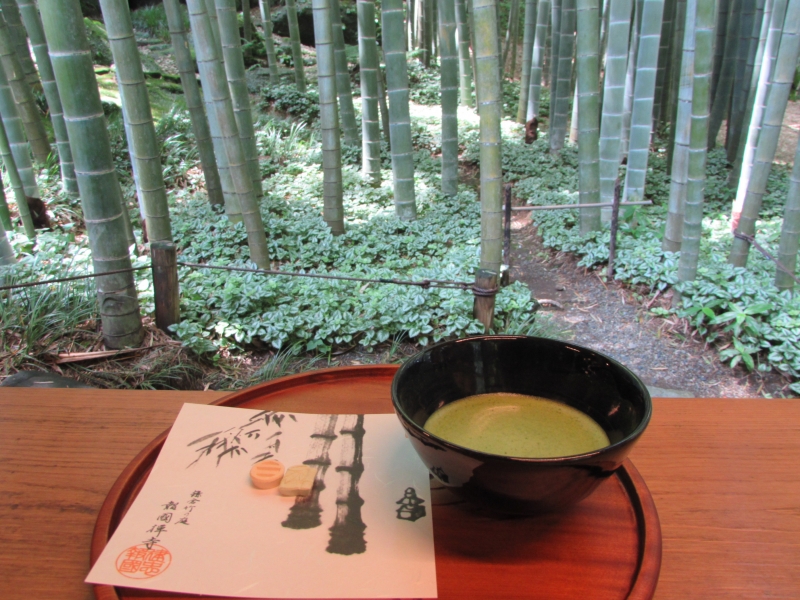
(606, 547)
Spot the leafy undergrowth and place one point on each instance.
(739, 310)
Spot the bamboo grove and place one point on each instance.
(619, 73)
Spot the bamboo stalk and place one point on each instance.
(682, 127)
(588, 68)
(464, 61)
(790, 230)
(233, 59)
(560, 108)
(399, 117)
(297, 52)
(23, 96)
(528, 37)
(698, 147)
(269, 44)
(344, 90)
(101, 198)
(333, 210)
(490, 109)
(7, 256)
(215, 90)
(370, 72)
(144, 147)
(16, 138)
(19, 37)
(16, 185)
(33, 24)
(449, 95)
(537, 60)
(194, 103)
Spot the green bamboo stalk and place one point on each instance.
(543, 17)
(790, 230)
(269, 44)
(297, 51)
(220, 112)
(16, 138)
(724, 12)
(698, 147)
(780, 85)
(564, 90)
(682, 127)
(5, 215)
(101, 198)
(464, 63)
(233, 60)
(619, 27)
(752, 18)
(573, 121)
(19, 37)
(399, 118)
(490, 109)
(664, 64)
(194, 103)
(737, 147)
(16, 185)
(513, 15)
(33, 24)
(332, 192)
(627, 103)
(144, 147)
(382, 104)
(528, 36)
(588, 84)
(515, 43)
(449, 91)
(721, 98)
(211, 11)
(370, 71)
(673, 81)
(7, 257)
(644, 88)
(247, 21)
(23, 96)
(344, 90)
(427, 38)
(757, 104)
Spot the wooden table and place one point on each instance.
(724, 473)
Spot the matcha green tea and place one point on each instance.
(517, 425)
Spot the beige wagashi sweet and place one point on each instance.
(298, 480)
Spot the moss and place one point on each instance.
(98, 42)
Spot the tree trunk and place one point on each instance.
(16, 138)
(464, 62)
(528, 36)
(543, 17)
(490, 109)
(790, 231)
(721, 96)
(370, 72)
(619, 27)
(237, 84)
(777, 97)
(399, 118)
(5, 215)
(215, 90)
(7, 257)
(588, 66)
(559, 107)
(449, 85)
(16, 185)
(698, 147)
(664, 64)
(33, 23)
(101, 198)
(194, 103)
(247, 21)
(23, 96)
(333, 210)
(343, 88)
(269, 44)
(682, 126)
(144, 147)
(297, 51)
(19, 38)
(644, 88)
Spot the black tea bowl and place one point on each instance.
(584, 379)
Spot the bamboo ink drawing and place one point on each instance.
(347, 532)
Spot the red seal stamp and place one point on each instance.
(143, 561)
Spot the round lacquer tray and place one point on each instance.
(606, 547)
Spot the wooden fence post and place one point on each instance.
(485, 289)
(164, 259)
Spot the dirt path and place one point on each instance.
(610, 319)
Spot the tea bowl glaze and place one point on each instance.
(589, 381)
